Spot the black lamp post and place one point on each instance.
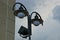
(21, 13)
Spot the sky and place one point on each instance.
(50, 13)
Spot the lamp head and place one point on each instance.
(21, 12)
(36, 21)
(23, 31)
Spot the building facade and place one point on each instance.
(7, 20)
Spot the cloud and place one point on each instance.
(32, 4)
(56, 13)
(50, 29)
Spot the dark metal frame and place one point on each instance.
(27, 14)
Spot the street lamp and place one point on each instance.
(21, 13)
(37, 19)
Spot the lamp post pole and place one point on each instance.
(29, 26)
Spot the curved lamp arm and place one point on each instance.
(36, 14)
(19, 4)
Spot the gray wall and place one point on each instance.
(7, 20)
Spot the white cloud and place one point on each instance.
(56, 12)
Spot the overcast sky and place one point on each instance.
(50, 13)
